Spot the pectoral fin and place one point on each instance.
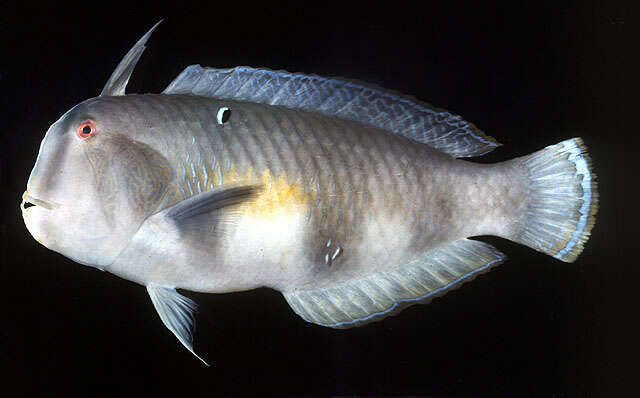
(178, 233)
(198, 216)
(211, 200)
(176, 312)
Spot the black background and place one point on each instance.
(528, 75)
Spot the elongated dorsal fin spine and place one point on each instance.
(117, 83)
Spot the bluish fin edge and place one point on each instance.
(418, 300)
(562, 200)
(374, 297)
(582, 161)
(348, 99)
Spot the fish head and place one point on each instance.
(93, 185)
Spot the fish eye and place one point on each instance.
(86, 129)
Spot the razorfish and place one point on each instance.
(349, 199)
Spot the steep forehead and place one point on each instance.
(111, 114)
(103, 107)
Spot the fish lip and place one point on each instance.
(38, 202)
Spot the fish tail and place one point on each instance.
(562, 200)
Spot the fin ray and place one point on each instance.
(118, 80)
(205, 202)
(376, 296)
(176, 312)
(346, 99)
(562, 200)
(185, 217)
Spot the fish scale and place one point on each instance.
(236, 148)
(379, 166)
(347, 198)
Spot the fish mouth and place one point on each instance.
(29, 201)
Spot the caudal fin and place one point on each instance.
(562, 200)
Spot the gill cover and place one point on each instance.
(117, 83)
(92, 194)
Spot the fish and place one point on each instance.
(353, 201)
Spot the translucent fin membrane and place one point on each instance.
(117, 83)
(176, 312)
(563, 200)
(346, 99)
(377, 296)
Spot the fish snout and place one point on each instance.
(29, 201)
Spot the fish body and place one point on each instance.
(337, 198)
(349, 199)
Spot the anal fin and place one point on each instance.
(379, 295)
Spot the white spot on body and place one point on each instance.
(336, 253)
(223, 115)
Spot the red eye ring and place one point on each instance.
(86, 129)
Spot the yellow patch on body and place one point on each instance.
(273, 221)
(277, 198)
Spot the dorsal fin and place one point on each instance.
(345, 99)
(117, 83)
